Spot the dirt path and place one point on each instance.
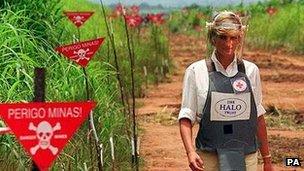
(160, 143)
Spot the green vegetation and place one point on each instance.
(282, 118)
(29, 32)
(190, 21)
(281, 31)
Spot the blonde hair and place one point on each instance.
(224, 23)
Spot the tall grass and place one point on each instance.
(27, 40)
(282, 31)
(186, 20)
(21, 51)
(144, 48)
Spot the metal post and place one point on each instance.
(39, 92)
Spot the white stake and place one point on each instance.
(93, 127)
(132, 144)
(85, 166)
(101, 154)
(91, 120)
(112, 148)
(138, 145)
(145, 71)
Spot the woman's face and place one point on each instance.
(226, 45)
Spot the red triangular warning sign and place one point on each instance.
(78, 18)
(81, 52)
(44, 128)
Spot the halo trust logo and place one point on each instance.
(230, 107)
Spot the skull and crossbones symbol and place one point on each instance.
(81, 54)
(78, 19)
(44, 133)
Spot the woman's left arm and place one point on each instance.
(264, 146)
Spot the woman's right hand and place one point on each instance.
(195, 162)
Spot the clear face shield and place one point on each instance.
(228, 24)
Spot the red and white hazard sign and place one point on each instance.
(78, 18)
(81, 52)
(43, 129)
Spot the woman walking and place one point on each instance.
(223, 94)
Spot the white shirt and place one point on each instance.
(196, 84)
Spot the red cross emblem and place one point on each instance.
(239, 85)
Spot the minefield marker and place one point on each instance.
(78, 18)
